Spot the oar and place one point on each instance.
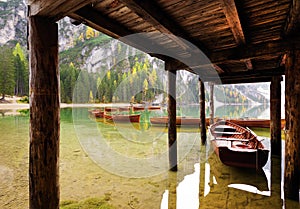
(254, 134)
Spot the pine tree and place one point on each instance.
(7, 81)
(21, 71)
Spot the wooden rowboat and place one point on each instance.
(97, 113)
(110, 109)
(255, 123)
(154, 108)
(138, 108)
(127, 108)
(179, 121)
(237, 146)
(123, 118)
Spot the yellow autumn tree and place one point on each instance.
(89, 33)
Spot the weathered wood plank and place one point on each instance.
(292, 133)
(151, 13)
(172, 132)
(44, 114)
(293, 19)
(275, 115)
(233, 20)
(55, 9)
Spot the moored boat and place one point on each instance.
(126, 108)
(237, 146)
(97, 113)
(138, 108)
(255, 123)
(123, 118)
(179, 121)
(110, 109)
(154, 108)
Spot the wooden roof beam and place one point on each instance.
(243, 77)
(134, 6)
(293, 20)
(55, 9)
(96, 20)
(233, 19)
(251, 51)
(110, 27)
(150, 12)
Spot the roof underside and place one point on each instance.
(244, 41)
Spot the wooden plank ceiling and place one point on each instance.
(245, 40)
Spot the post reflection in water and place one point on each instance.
(214, 185)
(184, 194)
(202, 181)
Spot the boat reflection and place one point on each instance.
(215, 185)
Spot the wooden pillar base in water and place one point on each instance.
(172, 132)
(275, 113)
(292, 133)
(44, 114)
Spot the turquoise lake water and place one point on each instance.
(128, 164)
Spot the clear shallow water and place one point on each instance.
(137, 177)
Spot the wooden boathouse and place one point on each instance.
(222, 41)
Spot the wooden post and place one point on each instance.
(172, 132)
(275, 115)
(292, 133)
(202, 111)
(211, 103)
(44, 114)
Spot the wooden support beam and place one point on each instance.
(292, 133)
(211, 103)
(172, 132)
(202, 111)
(248, 51)
(233, 19)
(99, 22)
(248, 76)
(252, 51)
(55, 9)
(293, 20)
(275, 113)
(150, 11)
(152, 14)
(44, 114)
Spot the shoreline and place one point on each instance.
(19, 106)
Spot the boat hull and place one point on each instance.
(255, 123)
(180, 121)
(123, 118)
(97, 113)
(235, 158)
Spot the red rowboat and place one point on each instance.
(237, 146)
(255, 123)
(179, 121)
(97, 113)
(123, 118)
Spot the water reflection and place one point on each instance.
(214, 185)
(185, 194)
(198, 183)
